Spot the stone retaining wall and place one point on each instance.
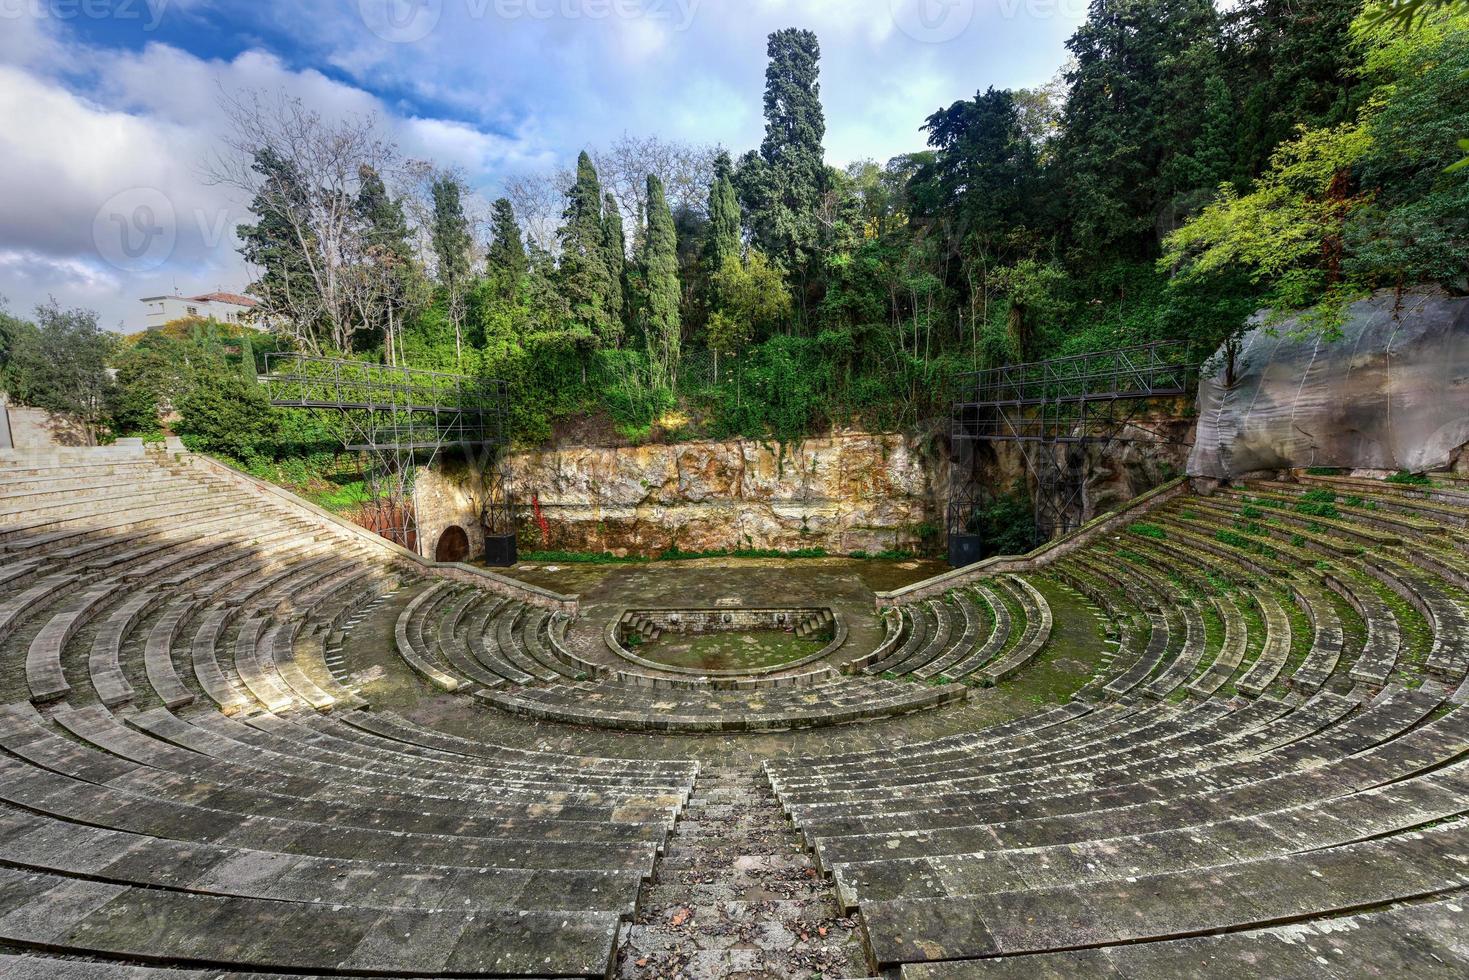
(852, 491)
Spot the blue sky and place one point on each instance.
(104, 103)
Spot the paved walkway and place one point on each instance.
(736, 897)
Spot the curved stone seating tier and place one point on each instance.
(1275, 788)
(1440, 601)
(1231, 653)
(1419, 940)
(999, 638)
(895, 625)
(1038, 625)
(966, 635)
(606, 704)
(1318, 661)
(462, 638)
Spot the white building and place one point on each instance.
(224, 307)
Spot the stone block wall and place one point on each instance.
(446, 496)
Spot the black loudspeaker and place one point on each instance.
(500, 550)
(964, 549)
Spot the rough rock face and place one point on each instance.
(1149, 452)
(1391, 393)
(851, 491)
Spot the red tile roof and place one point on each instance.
(234, 298)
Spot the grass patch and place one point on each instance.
(1406, 479)
(1236, 540)
(581, 558)
(1149, 531)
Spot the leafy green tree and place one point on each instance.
(755, 302)
(388, 274)
(17, 341)
(584, 277)
(1415, 228)
(1287, 234)
(982, 180)
(158, 368)
(228, 417)
(277, 245)
(1294, 66)
(386, 227)
(69, 370)
(781, 187)
(661, 321)
(1034, 301)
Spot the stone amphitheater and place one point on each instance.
(1214, 734)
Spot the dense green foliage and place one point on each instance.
(58, 362)
(1194, 163)
(1006, 524)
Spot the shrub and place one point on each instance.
(1311, 509)
(1149, 531)
(229, 418)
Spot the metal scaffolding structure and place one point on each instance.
(1055, 410)
(396, 420)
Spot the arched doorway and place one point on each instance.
(453, 544)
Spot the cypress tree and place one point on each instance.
(583, 273)
(273, 246)
(723, 237)
(660, 278)
(506, 262)
(388, 252)
(450, 232)
(386, 230)
(781, 187)
(247, 363)
(507, 250)
(614, 245)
